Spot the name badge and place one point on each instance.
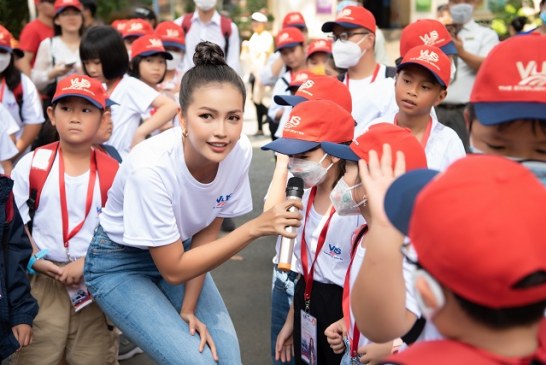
(308, 338)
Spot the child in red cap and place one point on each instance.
(172, 36)
(68, 327)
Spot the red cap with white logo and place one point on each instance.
(84, 87)
(352, 17)
(511, 82)
(319, 45)
(136, 28)
(289, 37)
(429, 32)
(149, 45)
(311, 123)
(171, 34)
(432, 58)
(7, 41)
(61, 5)
(299, 78)
(120, 25)
(294, 20)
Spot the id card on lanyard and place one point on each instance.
(308, 321)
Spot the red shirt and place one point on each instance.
(32, 35)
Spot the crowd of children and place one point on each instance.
(406, 250)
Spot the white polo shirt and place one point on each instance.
(477, 40)
(7, 147)
(155, 200)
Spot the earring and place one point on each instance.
(184, 133)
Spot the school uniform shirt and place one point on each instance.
(31, 112)
(47, 228)
(280, 89)
(7, 147)
(334, 258)
(53, 51)
(154, 200)
(133, 98)
(9, 124)
(443, 146)
(477, 40)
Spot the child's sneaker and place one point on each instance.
(127, 349)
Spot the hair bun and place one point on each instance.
(208, 53)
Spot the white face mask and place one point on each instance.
(5, 58)
(205, 5)
(311, 172)
(436, 290)
(461, 13)
(342, 198)
(177, 59)
(346, 53)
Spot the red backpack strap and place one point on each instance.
(186, 22)
(107, 168)
(225, 26)
(18, 93)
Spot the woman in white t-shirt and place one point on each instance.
(171, 194)
(104, 57)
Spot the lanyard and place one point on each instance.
(426, 136)
(308, 274)
(67, 236)
(346, 294)
(374, 75)
(2, 88)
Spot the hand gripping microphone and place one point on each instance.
(294, 190)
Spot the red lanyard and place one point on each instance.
(116, 83)
(67, 236)
(374, 75)
(308, 273)
(2, 88)
(346, 294)
(426, 136)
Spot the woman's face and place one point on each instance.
(70, 20)
(213, 122)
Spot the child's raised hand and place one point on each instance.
(377, 175)
(335, 333)
(195, 325)
(23, 334)
(48, 268)
(72, 273)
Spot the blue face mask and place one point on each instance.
(543, 16)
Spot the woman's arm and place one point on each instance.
(165, 110)
(276, 192)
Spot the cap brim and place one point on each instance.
(289, 45)
(289, 100)
(449, 49)
(19, 53)
(328, 27)
(400, 197)
(290, 146)
(89, 99)
(342, 151)
(110, 102)
(405, 64)
(503, 112)
(301, 27)
(167, 55)
(60, 10)
(175, 45)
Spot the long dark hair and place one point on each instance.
(11, 74)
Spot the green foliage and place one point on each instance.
(256, 5)
(13, 15)
(506, 10)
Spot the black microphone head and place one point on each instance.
(295, 187)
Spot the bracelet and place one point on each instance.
(37, 256)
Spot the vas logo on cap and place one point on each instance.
(530, 75)
(428, 56)
(293, 122)
(78, 84)
(173, 33)
(345, 13)
(430, 39)
(155, 42)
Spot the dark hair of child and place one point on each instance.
(105, 44)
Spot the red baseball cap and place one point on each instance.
(319, 88)
(471, 231)
(511, 82)
(289, 37)
(311, 123)
(149, 45)
(60, 5)
(426, 31)
(400, 139)
(294, 20)
(120, 25)
(352, 17)
(136, 28)
(299, 78)
(171, 34)
(319, 45)
(7, 41)
(432, 58)
(84, 87)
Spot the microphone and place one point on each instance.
(294, 190)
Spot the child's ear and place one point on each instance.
(430, 292)
(51, 114)
(441, 97)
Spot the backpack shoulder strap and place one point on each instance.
(390, 72)
(107, 168)
(341, 76)
(225, 26)
(40, 166)
(186, 22)
(18, 93)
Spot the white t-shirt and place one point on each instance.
(333, 260)
(31, 107)
(134, 98)
(280, 89)
(47, 224)
(155, 200)
(7, 147)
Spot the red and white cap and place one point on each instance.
(352, 17)
(7, 42)
(295, 20)
(171, 34)
(319, 45)
(312, 123)
(120, 25)
(149, 45)
(432, 58)
(84, 87)
(471, 250)
(136, 28)
(429, 32)
(319, 88)
(289, 37)
(511, 82)
(299, 79)
(61, 5)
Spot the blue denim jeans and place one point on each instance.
(130, 290)
(282, 293)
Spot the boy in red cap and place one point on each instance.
(483, 286)
(75, 179)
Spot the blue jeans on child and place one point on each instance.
(130, 290)
(282, 293)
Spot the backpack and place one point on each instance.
(106, 169)
(225, 26)
(18, 93)
(390, 72)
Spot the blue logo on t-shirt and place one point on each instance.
(334, 252)
(222, 200)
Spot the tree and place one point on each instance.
(13, 15)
